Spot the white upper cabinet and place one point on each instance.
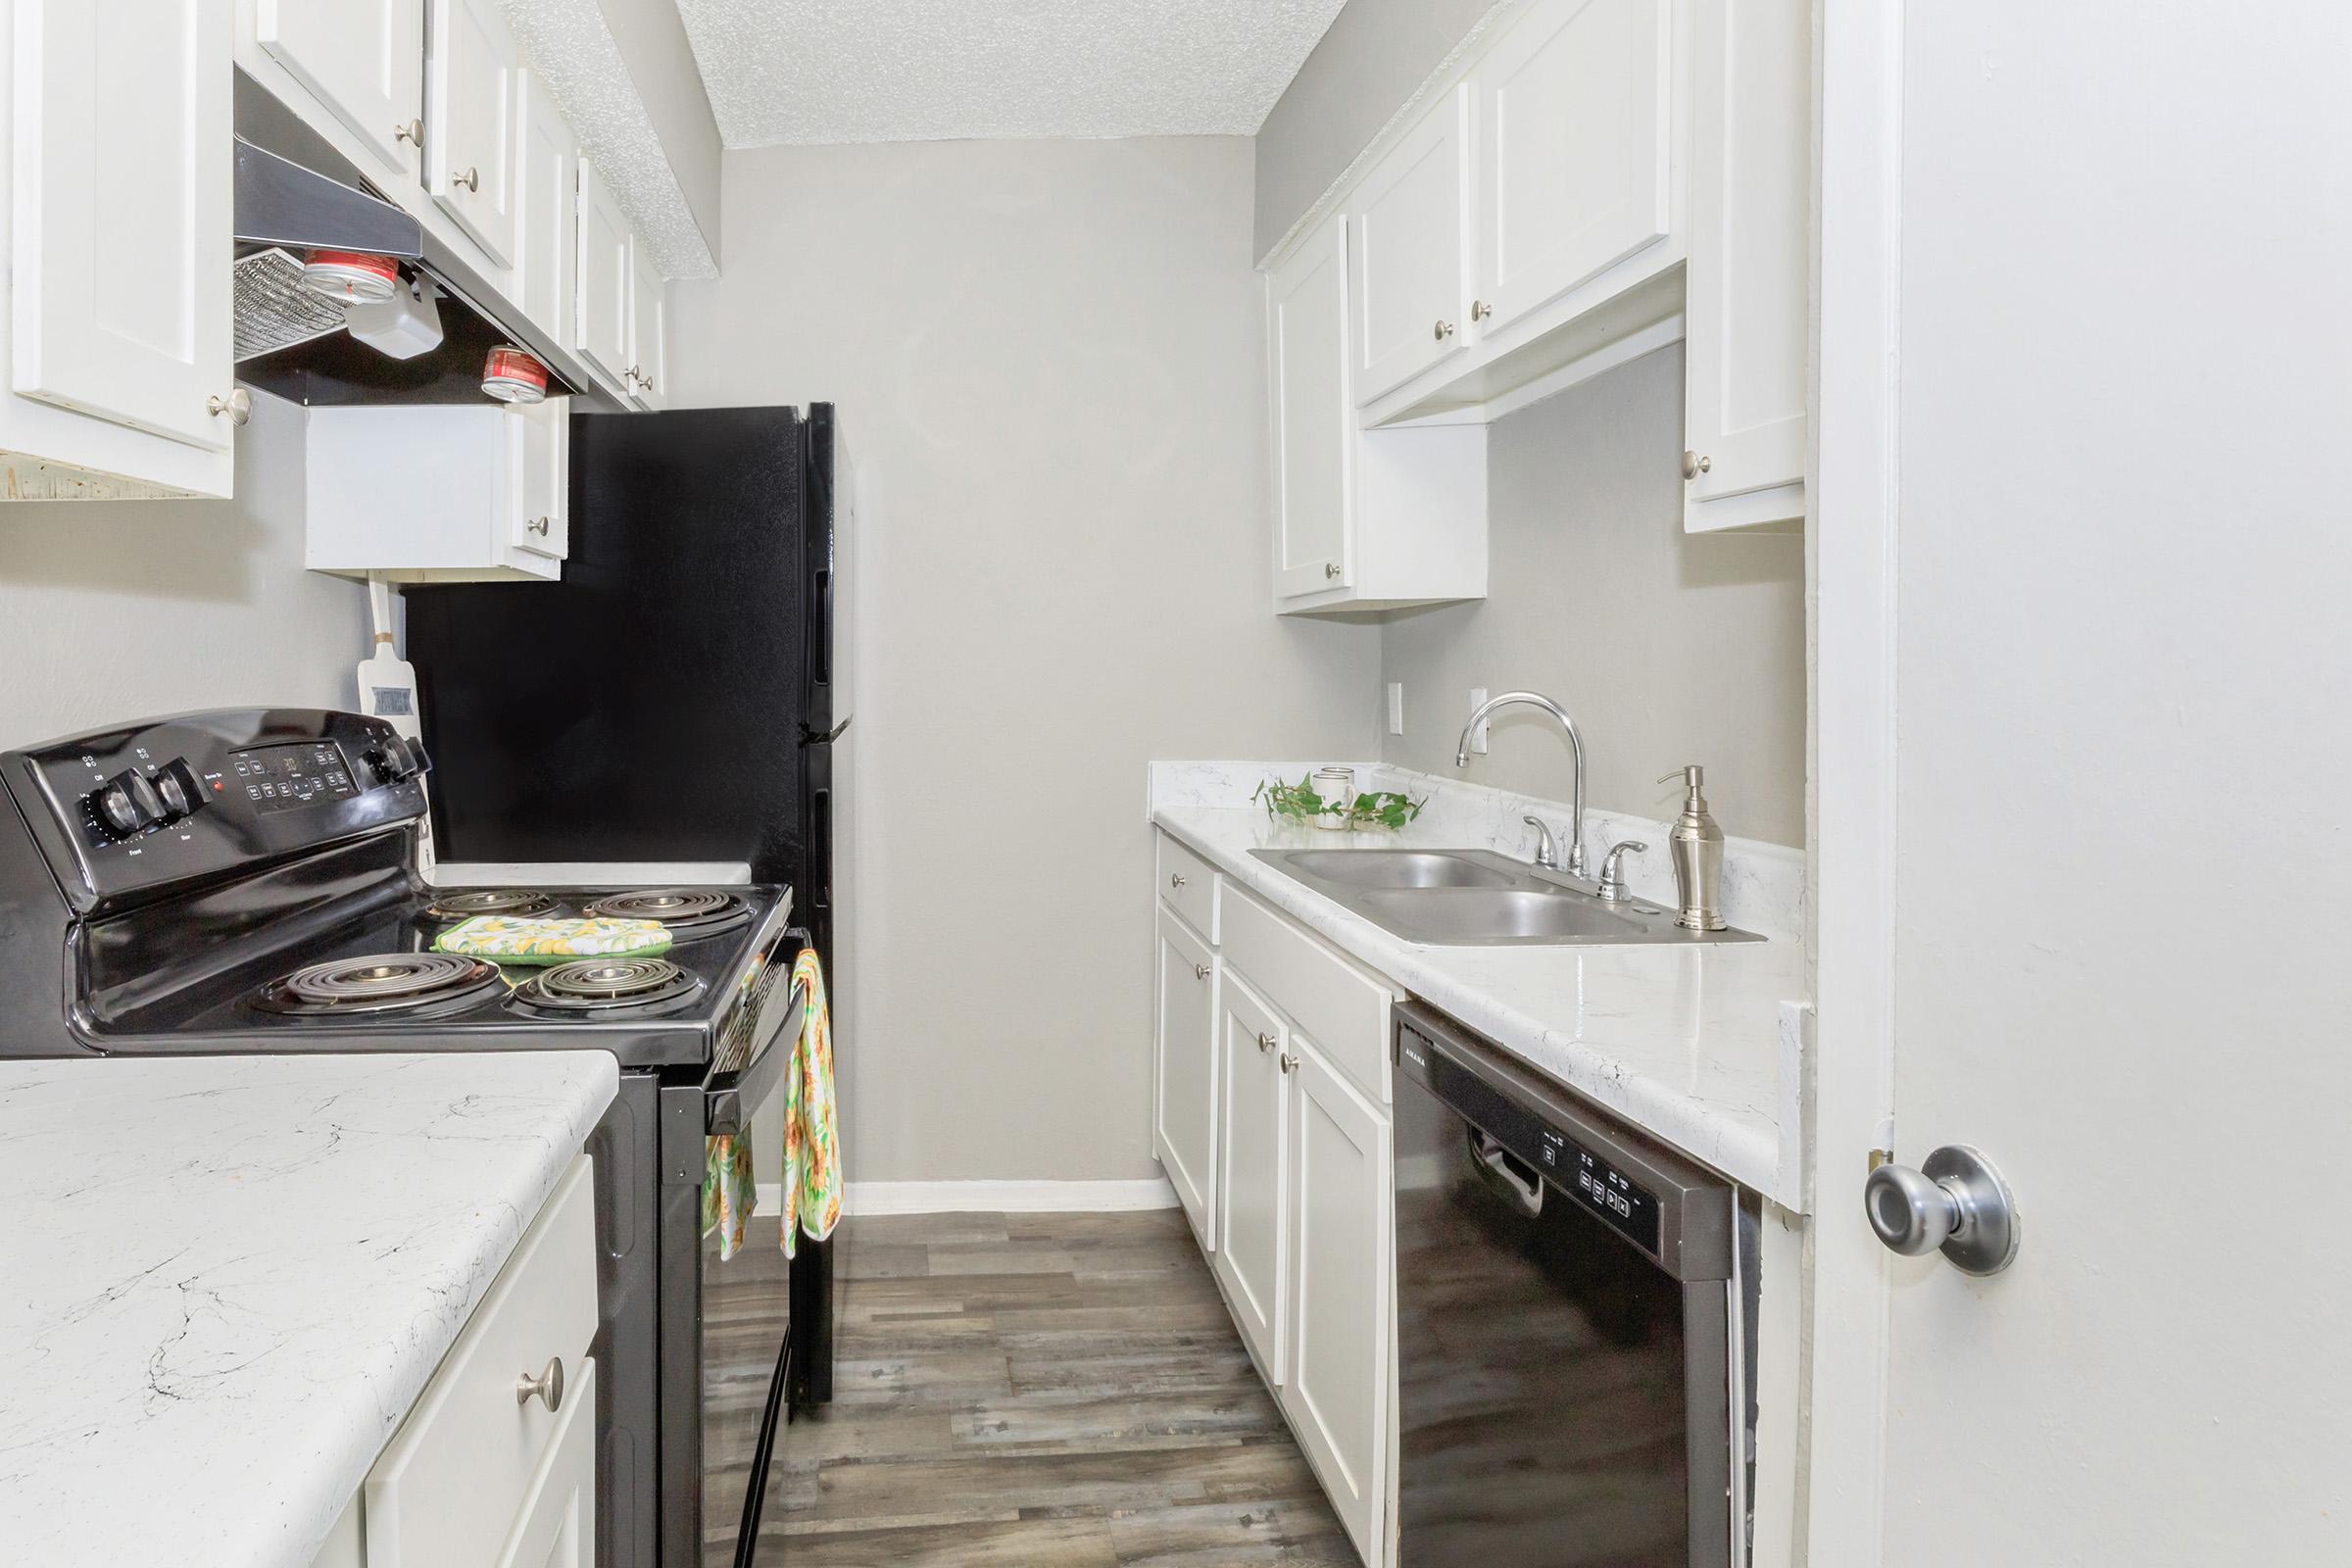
(1574, 133)
(1751, 179)
(1306, 355)
(118, 288)
(474, 76)
(491, 506)
(1410, 243)
(649, 328)
(365, 59)
(600, 331)
(546, 235)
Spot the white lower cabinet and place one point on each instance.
(1184, 1088)
(495, 1466)
(1294, 1105)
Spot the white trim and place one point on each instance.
(1852, 541)
(990, 1197)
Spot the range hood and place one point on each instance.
(295, 193)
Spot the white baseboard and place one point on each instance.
(996, 1197)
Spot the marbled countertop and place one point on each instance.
(225, 1280)
(1692, 1043)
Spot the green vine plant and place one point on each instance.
(1298, 802)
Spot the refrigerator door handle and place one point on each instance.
(810, 737)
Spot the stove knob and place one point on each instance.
(391, 760)
(127, 804)
(178, 788)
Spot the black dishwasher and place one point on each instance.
(1566, 1307)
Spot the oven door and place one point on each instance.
(1563, 1398)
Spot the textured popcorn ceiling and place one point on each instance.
(568, 44)
(850, 70)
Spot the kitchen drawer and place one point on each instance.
(1187, 884)
(447, 1490)
(1342, 1010)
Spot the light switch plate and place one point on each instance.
(1396, 708)
(1478, 736)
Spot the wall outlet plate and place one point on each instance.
(1478, 736)
(1396, 708)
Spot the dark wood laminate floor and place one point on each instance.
(1016, 1390)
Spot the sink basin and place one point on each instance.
(1477, 899)
(1397, 868)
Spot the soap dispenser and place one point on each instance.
(1696, 841)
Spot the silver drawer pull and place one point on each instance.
(547, 1386)
(1175, 881)
(1200, 972)
(472, 179)
(1265, 1041)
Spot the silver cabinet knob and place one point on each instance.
(1612, 868)
(1290, 1063)
(1175, 879)
(1200, 972)
(547, 1386)
(413, 133)
(1955, 1203)
(1479, 310)
(472, 179)
(1266, 1042)
(1442, 331)
(1331, 570)
(238, 406)
(1693, 465)
(538, 525)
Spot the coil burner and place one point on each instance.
(588, 987)
(689, 912)
(522, 903)
(391, 982)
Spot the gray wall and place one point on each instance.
(1048, 360)
(1375, 55)
(112, 610)
(1668, 648)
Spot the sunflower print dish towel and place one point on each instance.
(505, 939)
(812, 1137)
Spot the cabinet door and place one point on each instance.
(1336, 1396)
(1750, 198)
(1184, 1090)
(363, 59)
(539, 456)
(1573, 148)
(648, 324)
(1411, 234)
(1250, 1211)
(1306, 357)
(556, 1528)
(546, 238)
(474, 75)
(600, 328)
(120, 300)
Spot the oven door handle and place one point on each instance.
(731, 1099)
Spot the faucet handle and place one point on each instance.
(1612, 869)
(1548, 853)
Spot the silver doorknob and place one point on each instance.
(547, 1386)
(1331, 569)
(1200, 972)
(413, 132)
(238, 406)
(1175, 881)
(1955, 1203)
(1265, 1041)
(1290, 1063)
(1693, 465)
(472, 179)
(1442, 331)
(538, 525)
(1479, 310)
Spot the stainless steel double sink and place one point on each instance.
(1477, 899)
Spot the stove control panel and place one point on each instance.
(134, 810)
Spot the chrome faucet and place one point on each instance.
(1575, 746)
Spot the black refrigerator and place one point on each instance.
(681, 695)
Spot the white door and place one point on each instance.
(1750, 204)
(1410, 244)
(475, 77)
(1184, 1130)
(2086, 565)
(120, 297)
(556, 1528)
(1306, 353)
(539, 452)
(601, 331)
(649, 327)
(365, 59)
(1573, 141)
(1252, 1213)
(547, 228)
(1337, 1394)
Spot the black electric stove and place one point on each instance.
(245, 882)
